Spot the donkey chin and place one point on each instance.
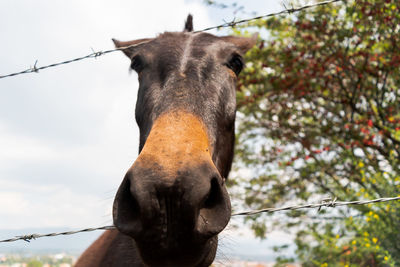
(182, 253)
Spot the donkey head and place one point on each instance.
(173, 201)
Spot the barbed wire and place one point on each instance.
(92, 55)
(330, 203)
(325, 203)
(233, 23)
(286, 11)
(30, 237)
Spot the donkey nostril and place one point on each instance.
(215, 211)
(130, 208)
(126, 211)
(214, 196)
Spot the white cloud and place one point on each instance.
(50, 206)
(13, 205)
(16, 147)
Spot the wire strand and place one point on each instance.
(224, 25)
(325, 203)
(330, 203)
(30, 237)
(286, 11)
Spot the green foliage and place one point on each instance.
(34, 263)
(319, 115)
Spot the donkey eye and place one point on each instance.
(137, 63)
(235, 63)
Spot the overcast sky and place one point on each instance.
(67, 134)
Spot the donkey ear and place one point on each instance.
(243, 43)
(188, 24)
(131, 46)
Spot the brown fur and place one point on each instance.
(111, 249)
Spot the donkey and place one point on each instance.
(173, 202)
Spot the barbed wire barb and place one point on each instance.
(331, 202)
(34, 68)
(231, 24)
(328, 202)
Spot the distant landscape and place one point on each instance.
(232, 248)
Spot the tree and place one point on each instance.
(319, 115)
(34, 263)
